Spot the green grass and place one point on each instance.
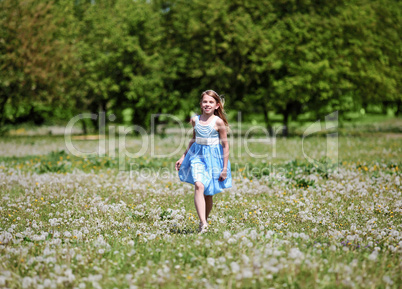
(286, 222)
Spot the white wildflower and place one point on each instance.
(211, 261)
(235, 267)
(373, 256)
(247, 273)
(387, 280)
(295, 253)
(227, 234)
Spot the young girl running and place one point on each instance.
(205, 163)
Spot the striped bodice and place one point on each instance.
(206, 131)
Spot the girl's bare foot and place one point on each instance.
(203, 228)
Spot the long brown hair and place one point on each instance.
(220, 111)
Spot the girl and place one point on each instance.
(205, 163)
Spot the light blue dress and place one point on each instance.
(204, 160)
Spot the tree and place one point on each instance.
(211, 43)
(120, 58)
(34, 57)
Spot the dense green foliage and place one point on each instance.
(137, 58)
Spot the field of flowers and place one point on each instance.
(74, 222)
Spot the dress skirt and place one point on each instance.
(204, 163)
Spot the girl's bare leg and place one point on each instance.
(208, 206)
(199, 202)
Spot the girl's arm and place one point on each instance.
(225, 145)
(178, 163)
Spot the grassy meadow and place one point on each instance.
(91, 222)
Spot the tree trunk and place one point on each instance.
(84, 127)
(285, 130)
(3, 101)
(398, 107)
(99, 108)
(384, 107)
(95, 122)
(139, 118)
(267, 122)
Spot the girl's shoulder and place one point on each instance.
(218, 120)
(220, 123)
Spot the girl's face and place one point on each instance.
(208, 104)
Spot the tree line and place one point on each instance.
(137, 58)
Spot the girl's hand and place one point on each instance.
(178, 163)
(223, 175)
